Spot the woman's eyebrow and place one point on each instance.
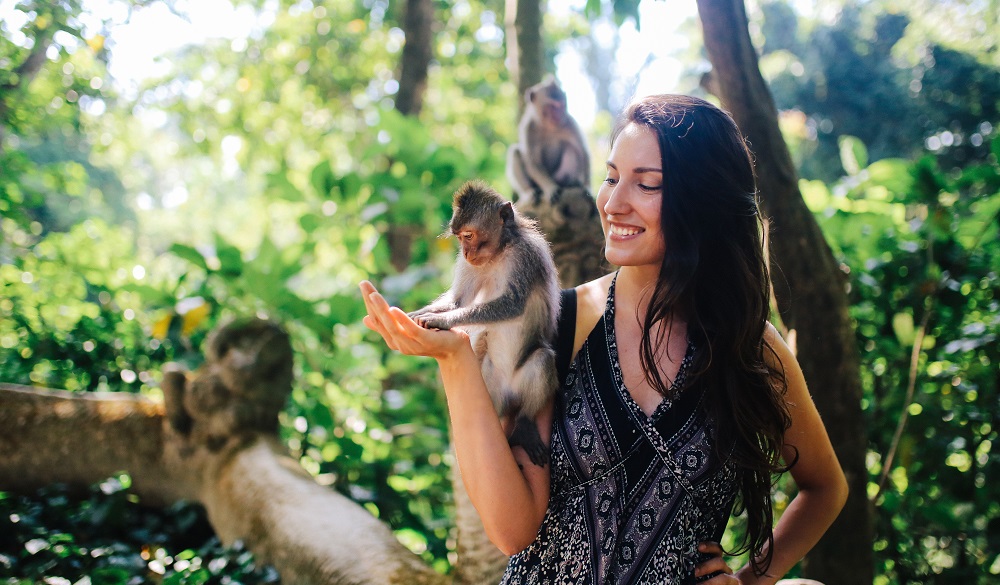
(638, 170)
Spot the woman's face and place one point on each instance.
(630, 199)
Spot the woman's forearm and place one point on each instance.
(510, 497)
(807, 517)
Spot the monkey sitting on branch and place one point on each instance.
(505, 295)
(551, 152)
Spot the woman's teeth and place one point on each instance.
(623, 231)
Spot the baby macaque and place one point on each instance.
(505, 295)
(551, 152)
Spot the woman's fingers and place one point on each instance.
(710, 548)
(377, 319)
(403, 334)
(400, 332)
(714, 564)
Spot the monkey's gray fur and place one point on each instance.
(551, 152)
(505, 295)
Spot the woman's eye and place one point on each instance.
(650, 188)
(610, 180)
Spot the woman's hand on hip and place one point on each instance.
(721, 573)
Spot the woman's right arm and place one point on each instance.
(509, 491)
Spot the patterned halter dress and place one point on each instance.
(631, 495)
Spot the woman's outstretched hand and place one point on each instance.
(721, 573)
(402, 334)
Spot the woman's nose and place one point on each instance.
(616, 203)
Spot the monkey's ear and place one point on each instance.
(507, 211)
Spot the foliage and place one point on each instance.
(106, 537)
(921, 247)
(873, 74)
(336, 185)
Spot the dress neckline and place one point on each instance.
(612, 339)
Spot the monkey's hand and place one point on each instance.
(433, 320)
(439, 306)
(526, 435)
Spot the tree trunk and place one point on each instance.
(530, 47)
(416, 56)
(809, 287)
(414, 63)
(213, 440)
(479, 561)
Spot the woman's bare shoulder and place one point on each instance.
(591, 298)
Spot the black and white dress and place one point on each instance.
(631, 495)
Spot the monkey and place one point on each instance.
(239, 390)
(551, 152)
(505, 295)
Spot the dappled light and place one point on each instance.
(157, 194)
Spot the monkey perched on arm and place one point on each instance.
(505, 295)
(551, 152)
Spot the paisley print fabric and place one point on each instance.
(631, 495)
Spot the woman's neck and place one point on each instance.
(633, 290)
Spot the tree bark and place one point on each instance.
(213, 440)
(416, 57)
(809, 287)
(40, 437)
(530, 47)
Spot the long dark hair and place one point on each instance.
(714, 275)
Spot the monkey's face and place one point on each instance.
(555, 113)
(478, 248)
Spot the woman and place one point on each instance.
(681, 398)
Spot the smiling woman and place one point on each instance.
(681, 399)
(630, 197)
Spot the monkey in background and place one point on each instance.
(551, 152)
(505, 295)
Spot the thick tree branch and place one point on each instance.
(50, 436)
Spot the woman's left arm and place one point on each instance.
(817, 474)
(822, 487)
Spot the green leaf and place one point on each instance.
(110, 576)
(891, 173)
(348, 185)
(190, 254)
(149, 294)
(311, 221)
(853, 154)
(279, 186)
(322, 180)
(230, 258)
(902, 326)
